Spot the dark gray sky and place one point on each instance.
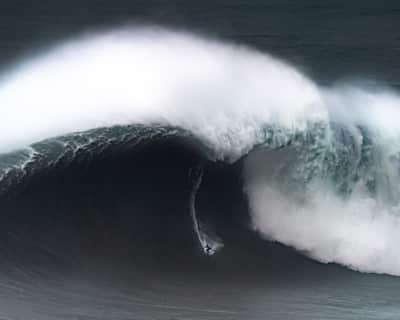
(330, 40)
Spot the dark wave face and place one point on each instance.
(108, 230)
(140, 197)
(109, 233)
(150, 174)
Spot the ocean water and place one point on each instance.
(199, 160)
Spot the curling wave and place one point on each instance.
(321, 164)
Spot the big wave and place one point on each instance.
(321, 164)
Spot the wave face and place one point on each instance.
(321, 165)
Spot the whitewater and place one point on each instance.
(321, 164)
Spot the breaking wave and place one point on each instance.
(321, 164)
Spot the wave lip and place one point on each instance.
(220, 92)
